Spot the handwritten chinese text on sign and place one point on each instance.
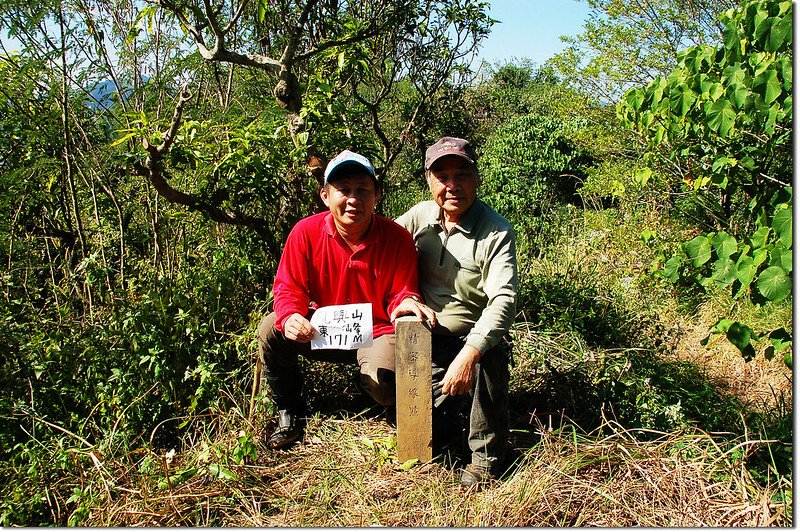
(342, 326)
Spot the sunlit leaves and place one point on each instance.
(774, 284)
(724, 245)
(698, 250)
(768, 86)
(718, 98)
(729, 113)
(782, 225)
(721, 116)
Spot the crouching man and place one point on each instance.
(468, 275)
(346, 255)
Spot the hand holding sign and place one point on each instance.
(342, 326)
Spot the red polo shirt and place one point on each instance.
(318, 266)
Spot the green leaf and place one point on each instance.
(773, 33)
(782, 225)
(774, 284)
(681, 100)
(734, 74)
(767, 85)
(739, 334)
(759, 256)
(671, 268)
(634, 98)
(262, 10)
(221, 472)
(721, 116)
(724, 271)
(780, 339)
(722, 325)
(746, 271)
(737, 94)
(780, 256)
(723, 162)
(642, 176)
(724, 244)
(759, 238)
(408, 464)
(698, 250)
(731, 37)
(769, 352)
(177, 479)
(715, 90)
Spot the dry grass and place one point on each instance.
(760, 383)
(344, 474)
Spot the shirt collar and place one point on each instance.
(468, 221)
(371, 236)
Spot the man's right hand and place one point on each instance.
(298, 328)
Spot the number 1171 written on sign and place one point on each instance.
(342, 326)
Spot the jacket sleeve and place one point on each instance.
(500, 285)
(292, 287)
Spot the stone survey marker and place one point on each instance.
(413, 381)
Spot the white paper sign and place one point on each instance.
(342, 326)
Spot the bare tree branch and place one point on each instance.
(152, 169)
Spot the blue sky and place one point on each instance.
(531, 28)
(526, 28)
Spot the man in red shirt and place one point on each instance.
(346, 255)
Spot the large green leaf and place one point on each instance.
(782, 225)
(740, 335)
(681, 99)
(724, 271)
(721, 115)
(698, 250)
(671, 268)
(634, 98)
(774, 284)
(774, 32)
(724, 244)
(768, 86)
(781, 256)
(737, 94)
(759, 238)
(734, 74)
(746, 271)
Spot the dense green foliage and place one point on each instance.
(627, 43)
(146, 218)
(723, 119)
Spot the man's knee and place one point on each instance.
(379, 383)
(376, 365)
(265, 334)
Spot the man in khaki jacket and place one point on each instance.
(468, 276)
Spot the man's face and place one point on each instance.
(351, 200)
(454, 185)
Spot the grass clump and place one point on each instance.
(346, 474)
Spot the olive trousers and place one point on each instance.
(488, 431)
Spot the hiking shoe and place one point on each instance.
(476, 476)
(290, 429)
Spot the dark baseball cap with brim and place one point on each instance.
(348, 160)
(450, 146)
